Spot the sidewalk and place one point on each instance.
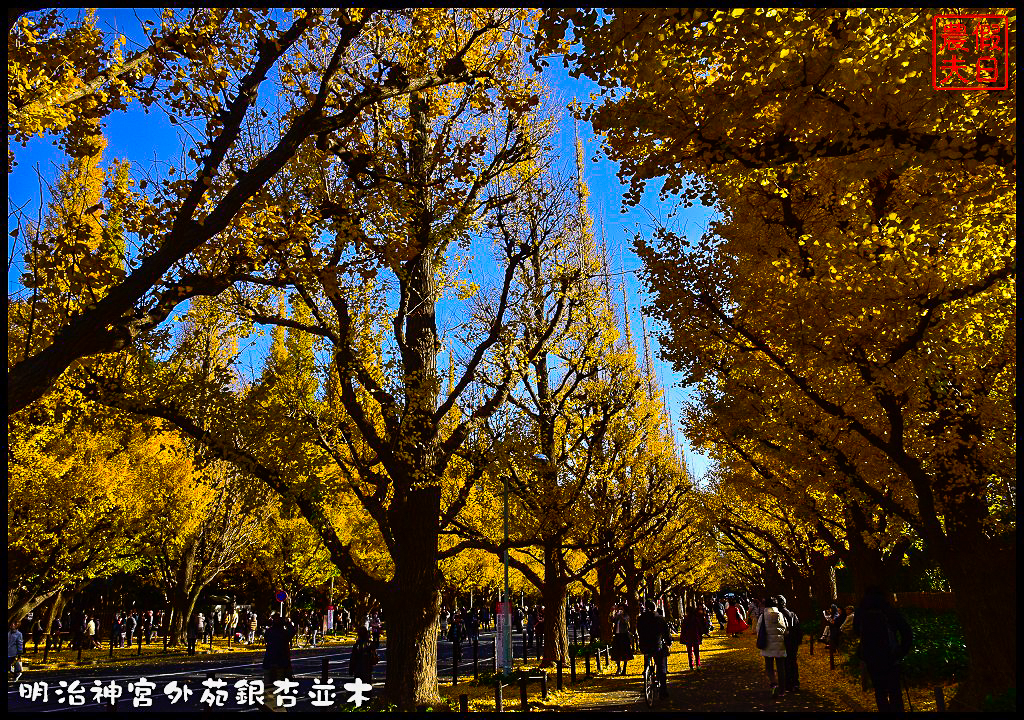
(730, 679)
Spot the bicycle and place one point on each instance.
(652, 683)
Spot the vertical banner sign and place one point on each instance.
(330, 617)
(502, 632)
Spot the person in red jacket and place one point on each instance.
(735, 624)
(691, 633)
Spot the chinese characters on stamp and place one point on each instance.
(970, 52)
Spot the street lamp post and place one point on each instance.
(506, 630)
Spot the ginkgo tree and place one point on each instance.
(863, 264)
(429, 171)
(205, 67)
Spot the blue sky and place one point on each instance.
(148, 137)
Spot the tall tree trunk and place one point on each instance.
(54, 611)
(413, 603)
(554, 593)
(605, 599)
(984, 579)
(633, 580)
(26, 604)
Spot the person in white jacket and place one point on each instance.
(773, 628)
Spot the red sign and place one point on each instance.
(970, 52)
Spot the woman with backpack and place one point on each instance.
(771, 641)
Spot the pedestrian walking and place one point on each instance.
(15, 649)
(771, 641)
(622, 637)
(364, 656)
(195, 630)
(375, 627)
(531, 625)
(735, 624)
(277, 660)
(794, 636)
(37, 631)
(253, 624)
(55, 631)
(690, 635)
(147, 626)
(131, 624)
(720, 614)
(654, 640)
(885, 639)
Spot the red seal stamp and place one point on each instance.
(970, 52)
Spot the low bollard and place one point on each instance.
(499, 705)
(46, 648)
(540, 647)
(586, 657)
(325, 666)
(80, 643)
(544, 685)
(572, 668)
(831, 657)
(111, 646)
(812, 645)
(940, 700)
(526, 650)
(558, 676)
(463, 703)
(522, 694)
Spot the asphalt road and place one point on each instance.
(307, 666)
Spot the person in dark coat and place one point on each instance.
(622, 638)
(720, 614)
(531, 625)
(147, 626)
(653, 640)
(792, 643)
(691, 634)
(885, 639)
(277, 660)
(364, 656)
(131, 623)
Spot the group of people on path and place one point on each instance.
(885, 638)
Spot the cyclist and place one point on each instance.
(654, 639)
